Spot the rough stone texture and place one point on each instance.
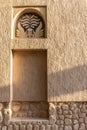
(75, 116)
(63, 121)
(4, 127)
(30, 110)
(10, 127)
(7, 115)
(16, 127)
(52, 113)
(68, 128)
(29, 127)
(1, 117)
(70, 120)
(66, 45)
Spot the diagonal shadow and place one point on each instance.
(68, 85)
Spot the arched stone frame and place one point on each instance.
(26, 11)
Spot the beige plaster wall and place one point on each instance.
(5, 33)
(66, 43)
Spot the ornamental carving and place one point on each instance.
(30, 25)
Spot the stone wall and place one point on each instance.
(66, 46)
(62, 116)
(72, 116)
(30, 110)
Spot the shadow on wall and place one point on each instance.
(68, 85)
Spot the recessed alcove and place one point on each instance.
(29, 91)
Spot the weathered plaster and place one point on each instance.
(65, 42)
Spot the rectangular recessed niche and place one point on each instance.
(29, 91)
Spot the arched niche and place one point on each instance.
(30, 23)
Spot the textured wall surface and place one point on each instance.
(65, 42)
(30, 110)
(5, 41)
(63, 116)
(66, 45)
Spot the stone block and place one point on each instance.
(82, 115)
(48, 127)
(68, 128)
(16, 106)
(10, 127)
(16, 127)
(65, 107)
(52, 119)
(81, 120)
(1, 117)
(54, 127)
(68, 121)
(82, 126)
(76, 126)
(25, 106)
(42, 127)
(0, 127)
(4, 127)
(36, 127)
(29, 127)
(23, 127)
(75, 121)
(7, 116)
(1, 106)
(85, 120)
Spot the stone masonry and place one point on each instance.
(63, 105)
(30, 110)
(62, 116)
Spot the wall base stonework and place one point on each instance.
(62, 116)
(57, 74)
(30, 110)
(72, 116)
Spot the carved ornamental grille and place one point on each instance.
(30, 25)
